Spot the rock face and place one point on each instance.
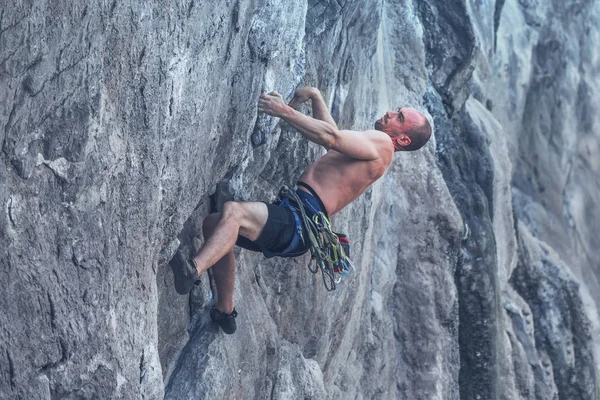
(123, 124)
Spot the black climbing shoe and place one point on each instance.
(185, 273)
(225, 321)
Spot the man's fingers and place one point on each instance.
(270, 94)
(263, 106)
(267, 101)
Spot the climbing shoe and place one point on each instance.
(185, 273)
(225, 321)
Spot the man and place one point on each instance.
(354, 161)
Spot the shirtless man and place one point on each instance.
(354, 161)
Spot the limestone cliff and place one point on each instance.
(124, 123)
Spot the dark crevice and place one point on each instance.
(190, 7)
(497, 14)
(52, 312)
(143, 81)
(64, 352)
(9, 123)
(142, 369)
(450, 45)
(134, 24)
(222, 193)
(11, 369)
(10, 214)
(272, 390)
(235, 16)
(258, 280)
(142, 55)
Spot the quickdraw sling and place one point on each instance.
(330, 251)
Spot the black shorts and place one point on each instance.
(283, 232)
(277, 233)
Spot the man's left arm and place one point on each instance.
(353, 144)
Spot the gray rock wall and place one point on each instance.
(123, 124)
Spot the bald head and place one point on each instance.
(408, 128)
(416, 127)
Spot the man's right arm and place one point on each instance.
(319, 108)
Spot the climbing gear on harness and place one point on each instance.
(330, 252)
(339, 267)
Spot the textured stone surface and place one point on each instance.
(123, 124)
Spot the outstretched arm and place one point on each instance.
(319, 108)
(359, 145)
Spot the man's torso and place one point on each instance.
(339, 179)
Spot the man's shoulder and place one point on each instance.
(377, 136)
(374, 132)
(363, 145)
(381, 140)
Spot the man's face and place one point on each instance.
(390, 121)
(394, 123)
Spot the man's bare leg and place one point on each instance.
(221, 232)
(223, 271)
(224, 276)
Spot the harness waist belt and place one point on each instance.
(315, 195)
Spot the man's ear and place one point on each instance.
(402, 140)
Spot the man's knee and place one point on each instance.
(249, 217)
(232, 209)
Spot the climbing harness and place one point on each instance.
(330, 251)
